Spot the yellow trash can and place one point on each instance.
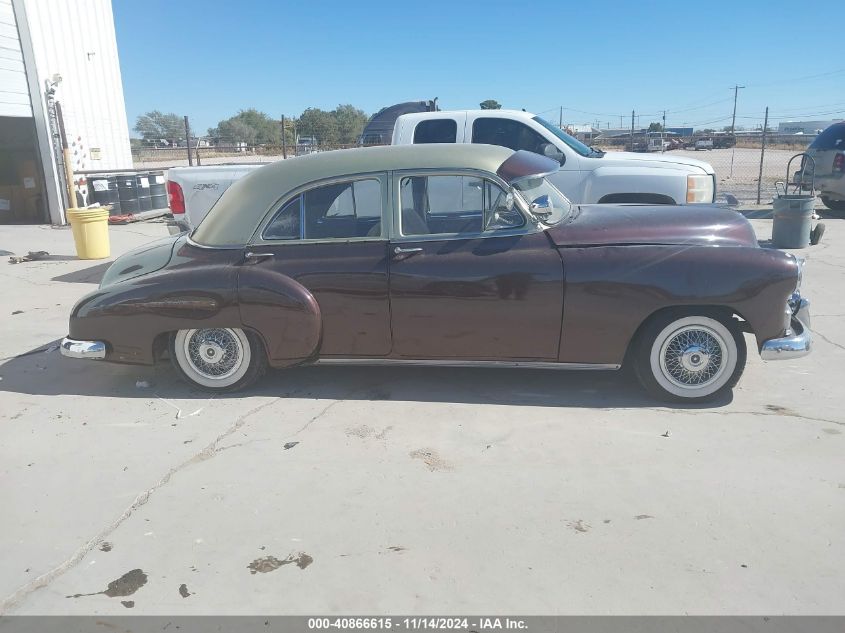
(90, 232)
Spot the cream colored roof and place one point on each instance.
(234, 218)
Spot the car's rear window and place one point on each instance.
(832, 138)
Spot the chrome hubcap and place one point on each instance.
(216, 353)
(692, 356)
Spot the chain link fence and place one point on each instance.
(737, 168)
(165, 157)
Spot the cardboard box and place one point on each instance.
(6, 204)
(28, 176)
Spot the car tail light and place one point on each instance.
(175, 197)
(839, 163)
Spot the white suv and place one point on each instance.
(828, 150)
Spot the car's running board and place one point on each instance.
(504, 364)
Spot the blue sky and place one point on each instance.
(599, 60)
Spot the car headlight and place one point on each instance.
(699, 189)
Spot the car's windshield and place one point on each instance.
(572, 142)
(550, 206)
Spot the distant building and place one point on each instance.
(679, 131)
(803, 127)
(57, 51)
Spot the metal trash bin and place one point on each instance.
(793, 212)
(792, 221)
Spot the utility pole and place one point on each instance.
(737, 88)
(662, 133)
(762, 154)
(632, 130)
(560, 119)
(188, 141)
(284, 140)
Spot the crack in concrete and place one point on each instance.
(827, 340)
(206, 453)
(777, 414)
(318, 416)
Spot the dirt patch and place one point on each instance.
(579, 526)
(105, 546)
(364, 431)
(431, 459)
(640, 517)
(126, 585)
(271, 563)
(776, 408)
(183, 590)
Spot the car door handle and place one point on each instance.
(251, 255)
(406, 251)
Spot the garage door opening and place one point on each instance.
(22, 197)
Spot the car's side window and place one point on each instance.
(335, 211)
(285, 224)
(436, 131)
(507, 133)
(453, 204)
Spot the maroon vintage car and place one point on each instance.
(452, 255)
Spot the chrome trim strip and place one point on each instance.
(83, 349)
(501, 364)
(796, 345)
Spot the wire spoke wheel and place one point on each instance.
(214, 358)
(690, 358)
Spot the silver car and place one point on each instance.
(828, 150)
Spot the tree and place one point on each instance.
(655, 127)
(320, 124)
(350, 122)
(490, 104)
(248, 126)
(156, 126)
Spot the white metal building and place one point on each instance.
(803, 127)
(69, 47)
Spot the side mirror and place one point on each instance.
(542, 206)
(550, 151)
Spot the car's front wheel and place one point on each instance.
(683, 357)
(833, 205)
(218, 359)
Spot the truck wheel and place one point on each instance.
(685, 357)
(833, 205)
(218, 359)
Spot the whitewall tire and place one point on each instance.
(217, 359)
(689, 357)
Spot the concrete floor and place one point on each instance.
(344, 490)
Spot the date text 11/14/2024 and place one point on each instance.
(418, 623)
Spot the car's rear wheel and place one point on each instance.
(218, 359)
(683, 357)
(833, 205)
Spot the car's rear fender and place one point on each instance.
(131, 316)
(282, 311)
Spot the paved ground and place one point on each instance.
(413, 490)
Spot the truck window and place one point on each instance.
(436, 131)
(507, 133)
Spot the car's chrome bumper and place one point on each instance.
(175, 227)
(797, 341)
(83, 349)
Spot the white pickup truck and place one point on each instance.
(586, 175)
(192, 191)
